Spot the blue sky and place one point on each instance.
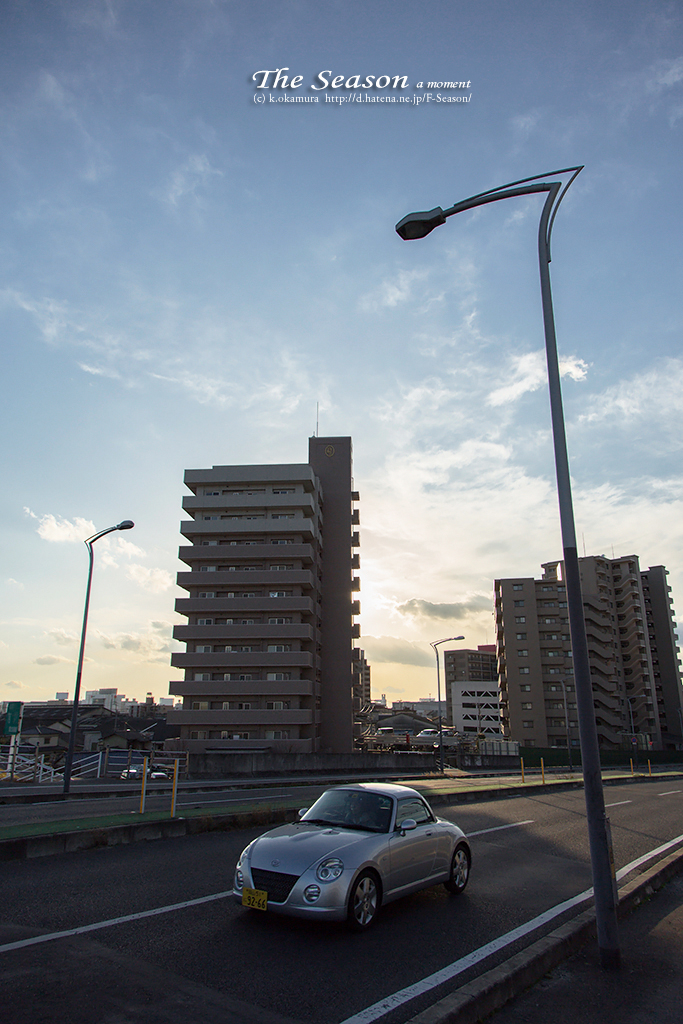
(185, 272)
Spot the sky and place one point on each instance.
(191, 264)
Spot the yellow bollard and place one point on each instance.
(144, 787)
(542, 772)
(631, 759)
(522, 761)
(175, 787)
(649, 768)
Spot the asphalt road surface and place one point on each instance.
(216, 962)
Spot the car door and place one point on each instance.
(412, 853)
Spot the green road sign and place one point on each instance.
(12, 718)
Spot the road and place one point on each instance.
(215, 962)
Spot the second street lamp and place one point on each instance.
(418, 225)
(127, 524)
(435, 646)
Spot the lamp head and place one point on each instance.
(127, 524)
(417, 225)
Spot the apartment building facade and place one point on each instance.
(536, 680)
(472, 704)
(269, 657)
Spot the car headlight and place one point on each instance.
(329, 869)
(239, 878)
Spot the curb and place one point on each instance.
(490, 991)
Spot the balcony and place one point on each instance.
(277, 579)
(226, 634)
(247, 688)
(234, 502)
(231, 660)
(240, 719)
(243, 605)
(226, 552)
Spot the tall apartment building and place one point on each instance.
(269, 606)
(537, 691)
(361, 682)
(472, 704)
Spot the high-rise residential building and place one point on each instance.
(666, 667)
(472, 704)
(537, 691)
(361, 682)
(270, 552)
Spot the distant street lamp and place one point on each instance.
(634, 737)
(417, 225)
(566, 722)
(435, 646)
(127, 524)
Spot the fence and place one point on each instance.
(27, 764)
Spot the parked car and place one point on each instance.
(358, 847)
(135, 772)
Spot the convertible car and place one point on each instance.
(357, 847)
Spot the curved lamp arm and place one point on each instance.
(127, 524)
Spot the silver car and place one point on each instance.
(357, 847)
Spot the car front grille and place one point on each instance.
(276, 884)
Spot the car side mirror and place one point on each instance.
(407, 826)
(302, 811)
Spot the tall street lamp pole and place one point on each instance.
(435, 646)
(417, 225)
(68, 763)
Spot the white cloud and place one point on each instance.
(14, 583)
(62, 637)
(52, 659)
(154, 580)
(60, 530)
(153, 645)
(392, 291)
(15, 685)
(187, 179)
(528, 371)
(653, 396)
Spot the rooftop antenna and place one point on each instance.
(317, 417)
(583, 538)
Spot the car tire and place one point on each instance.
(460, 870)
(364, 901)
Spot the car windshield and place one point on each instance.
(351, 808)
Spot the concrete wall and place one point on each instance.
(219, 764)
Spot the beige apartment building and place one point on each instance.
(270, 552)
(633, 657)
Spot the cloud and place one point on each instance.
(14, 583)
(392, 292)
(15, 685)
(52, 659)
(60, 636)
(153, 580)
(528, 371)
(154, 645)
(654, 396)
(393, 649)
(459, 610)
(185, 180)
(59, 530)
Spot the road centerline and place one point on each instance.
(499, 828)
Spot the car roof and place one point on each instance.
(383, 788)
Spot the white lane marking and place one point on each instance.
(397, 999)
(36, 939)
(669, 792)
(498, 828)
(619, 803)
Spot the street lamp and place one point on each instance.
(417, 225)
(566, 722)
(634, 739)
(435, 646)
(127, 524)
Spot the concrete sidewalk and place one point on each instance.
(647, 989)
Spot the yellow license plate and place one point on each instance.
(257, 899)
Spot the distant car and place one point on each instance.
(427, 734)
(135, 772)
(358, 847)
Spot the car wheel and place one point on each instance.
(363, 902)
(460, 869)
